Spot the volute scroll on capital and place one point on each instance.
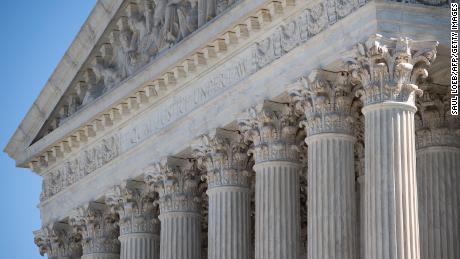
(389, 69)
(434, 125)
(177, 181)
(223, 154)
(98, 227)
(58, 241)
(273, 130)
(325, 100)
(135, 204)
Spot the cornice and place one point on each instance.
(171, 70)
(148, 146)
(74, 58)
(144, 122)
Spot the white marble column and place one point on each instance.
(99, 232)
(58, 241)
(177, 182)
(326, 99)
(139, 224)
(225, 158)
(272, 128)
(388, 70)
(438, 175)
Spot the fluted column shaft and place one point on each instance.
(273, 128)
(180, 235)
(438, 178)
(229, 223)
(98, 228)
(387, 72)
(331, 196)
(391, 211)
(139, 246)
(177, 181)
(326, 100)
(277, 210)
(438, 174)
(100, 256)
(138, 220)
(224, 154)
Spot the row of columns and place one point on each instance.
(400, 222)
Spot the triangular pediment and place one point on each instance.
(118, 39)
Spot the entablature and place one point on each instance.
(283, 39)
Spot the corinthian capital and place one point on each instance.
(134, 203)
(435, 126)
(98, 228)
(325, 98)
(57, 241)
(390, 69)
(272, 127)
(176, 180)
(224, 154)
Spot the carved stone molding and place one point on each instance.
(142, 30)
(389, 69)
(272, 128)
(287, 36)
(98, 228)
(176, 180)
(72, 170)
(58, 241)
(325, 99)
(134, 203)
(434, 125)
(224, 155)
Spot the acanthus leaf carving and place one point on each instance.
(58, 241)
(390, 69)
(177, 181)
(272, 128)
(228, 76)
(434, 125)
(134, 203)
(224, 155)
(98, 228)
(74, 169)
(325, 99)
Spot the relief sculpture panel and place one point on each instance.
(72, 170)
(286, 37)
(144, 29)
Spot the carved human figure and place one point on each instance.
(127, 56)
(187, 12)
(107, 64)
(142, 37)
(95, 84)
(149, 44)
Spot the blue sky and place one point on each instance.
(34, 36)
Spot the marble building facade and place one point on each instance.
(220, 129)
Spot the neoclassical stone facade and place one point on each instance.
(219, 129)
